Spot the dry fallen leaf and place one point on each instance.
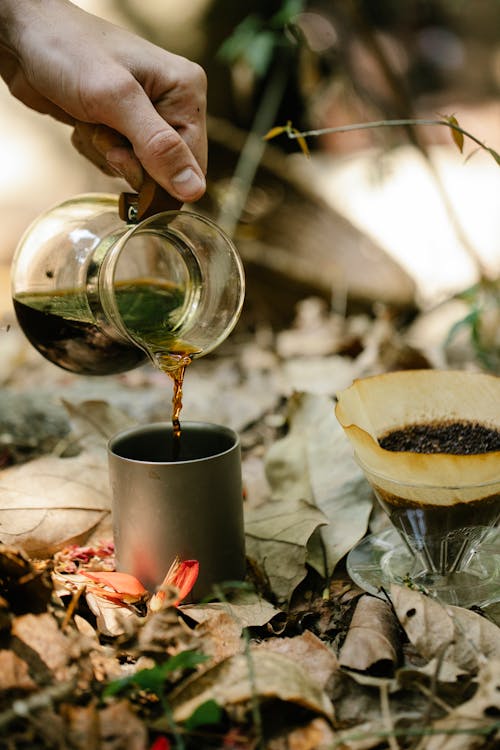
(314, 463)
(437, 630)
(43, 645)
(14, 673)
(51, 502)
(247, 608)
(313, 655)
(238, 680)
(372, 641)
(220, 636)
(479, 713)
(276, 536)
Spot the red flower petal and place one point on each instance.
(160, 743)
(182, 575)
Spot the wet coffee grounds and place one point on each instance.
(460, 438)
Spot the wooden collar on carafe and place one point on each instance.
(151, 199)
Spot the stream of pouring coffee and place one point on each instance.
(174, 365)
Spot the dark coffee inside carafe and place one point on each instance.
(60, 326)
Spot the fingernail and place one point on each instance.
(188, 183)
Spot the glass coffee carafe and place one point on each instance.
(98, 290)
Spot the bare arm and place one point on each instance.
(133, 105)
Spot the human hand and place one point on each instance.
(134, 107)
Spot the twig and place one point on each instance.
(386, 716)
(253, 149)
(448, 122)
(417, 732)
(75, 598)
(390, 124)
(22, 708)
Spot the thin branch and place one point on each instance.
(386, 716)
(391, 123)
(22, 708)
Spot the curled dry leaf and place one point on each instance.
(372, 642)
(464, 638)
(237, 681)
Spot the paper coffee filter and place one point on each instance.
(373, 406)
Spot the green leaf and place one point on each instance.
(466, 322)
(259, 52)
(287, 12)
(494, 154)
(208, 713)
(154, 679)
(234, 47)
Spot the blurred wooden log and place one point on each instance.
(289, 234)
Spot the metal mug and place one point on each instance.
(191, 507)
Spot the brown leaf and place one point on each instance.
(236, 681)
(121, 728)
(42, 644)
(247, 608)
(313, 655)
(221, 637)
(14, 673)
(314, 462)
(82, 726)
(479, 713)
(51, 502)
(372, 642)
(463, 637)
(314, 736)
(276, 535)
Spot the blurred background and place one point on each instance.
(392, 216)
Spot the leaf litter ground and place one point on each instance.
(296, 656)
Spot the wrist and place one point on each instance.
(20, 16)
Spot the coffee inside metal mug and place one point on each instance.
(190, 508)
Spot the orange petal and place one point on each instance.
(121, 583)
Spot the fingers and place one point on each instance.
(163, 119)
(138, 138)
(109, 151)
(161, 149)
